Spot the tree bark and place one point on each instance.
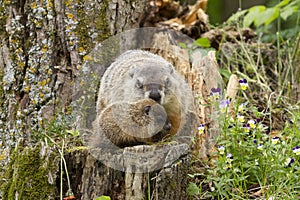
(43, 46)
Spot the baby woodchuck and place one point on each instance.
(128, 124)
(138, 74)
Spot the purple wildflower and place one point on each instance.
(275, 140)
(252, 123)
(246, 128)
(221, 149)
(215, 93)
(296, 150)
(243, 84)
(260, 147)
(223, 105)
(201, 128)
(289, 161)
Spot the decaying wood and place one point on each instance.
(90, 178)
(229, 34)
(193, 22)
(208, 77)
(190, 20)
(232, 89)
(135, 184)
(171, 182)
(202, 74)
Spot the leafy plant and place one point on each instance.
(193, 189)
(251, 160)
(261, 15)
(263, 18)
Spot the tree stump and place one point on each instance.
(147, 174)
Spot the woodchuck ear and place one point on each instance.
(170, 66)
(147, 109)
(131, 71)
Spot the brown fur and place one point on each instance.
(127, 124)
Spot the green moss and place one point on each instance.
(3, 17)
(102, 22)
(1, 87)
(30, 175)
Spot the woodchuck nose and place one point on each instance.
(137, 75)
(128, 124)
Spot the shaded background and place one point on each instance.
(220, 10)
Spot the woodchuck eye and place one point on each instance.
(139, 83)
(147, 109)
(167, 82)
(167, 126)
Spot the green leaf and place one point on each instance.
(269, 15)
(252, 15)
(202, 42)
(225, 73)
(288, 11)
(182, 45)
(103, 198)
(242, 178)
(282, 3)
(193, 189)
(237, 15)
(73, 132)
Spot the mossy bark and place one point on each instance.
(31, 173)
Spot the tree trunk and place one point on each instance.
(42, 48)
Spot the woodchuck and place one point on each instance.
(127, 124)
(138, 74)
